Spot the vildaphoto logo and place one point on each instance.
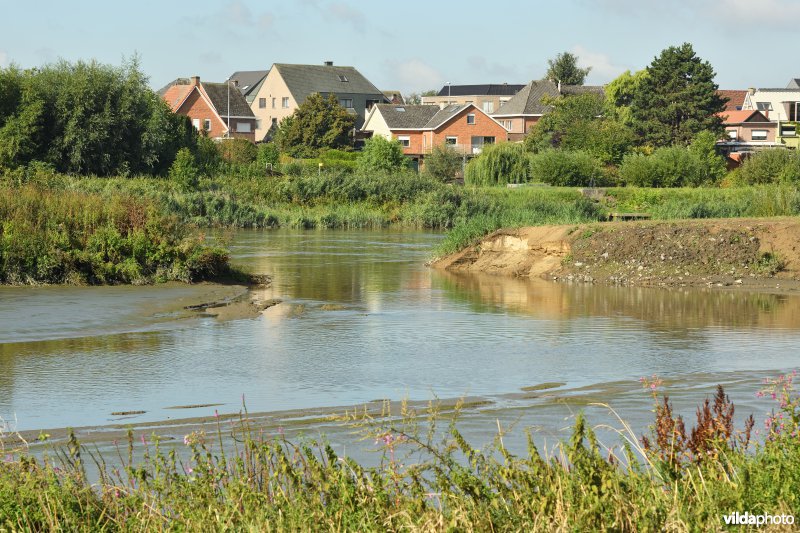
(748, 519)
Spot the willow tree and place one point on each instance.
(498, 164)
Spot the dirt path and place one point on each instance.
(761, 254)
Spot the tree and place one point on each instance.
(564, 68)
(619, 95)
(184, 170)
(416, 98)
(317, 123)
(576, 123)
(677, 99)
(498, 164)
(381, 154)
(443, 163)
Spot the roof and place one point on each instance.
(445, 114)
(221, 98)
(528, 101)
(303, 80)
(249, 81)
(735, 98)
(490, 89)
(794, 83)
(740, 117)
(407, 116)
(394, 97)
(175, 95)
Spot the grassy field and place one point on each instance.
(675, 478)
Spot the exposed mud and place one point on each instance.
(759, 254)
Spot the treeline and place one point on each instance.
(654, 128)
(88, 118)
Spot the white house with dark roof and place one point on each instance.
(286, 86)
(488, 96)
(781, 106)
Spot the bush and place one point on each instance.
(498, 164)
(770, 166)
(184, 171)
(443, 163)
(268, 155)
(381, 154)
(565, 168)
(237, 151)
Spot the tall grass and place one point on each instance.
(51, 236)
(429, 478)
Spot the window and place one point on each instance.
(342, 78)
(243, 127)
(262, 103)
(347, 103)
(759, 135)
(732, 135)
(196, 123)
(764, 106)
(488, 107)
(405, 140)
(400, 109)
(273, 103)
(451, 140)
(285, 102)
(207, 124)
(471, 118)
(793, 108)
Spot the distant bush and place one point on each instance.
(498, 164)
(237, 151)
(268, 155)
(770, 166)
(184, 170)
(443, 163)
(381, 154)
(676, 166)
(566, 168)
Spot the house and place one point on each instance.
(735, 98)
(420, 128)
(781, 106)
(488, 97)
(248, 81)
(219, 109)
(287, 86)
(747, 131)
(519, 114)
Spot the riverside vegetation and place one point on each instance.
(428, 477)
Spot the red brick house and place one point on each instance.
(212, 107)
(420, 128)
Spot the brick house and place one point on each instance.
(520, 113)
(286, 86)
(746, 131)
(419, 128)
(212, 107)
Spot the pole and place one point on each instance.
(228, 133)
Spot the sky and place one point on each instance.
(409, 46)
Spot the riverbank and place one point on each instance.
(756, 254)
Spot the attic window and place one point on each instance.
(342, 77)
(764, 106)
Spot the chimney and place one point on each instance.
(751, 90)
(329, 63)
(195, 81)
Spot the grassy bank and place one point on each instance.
(62, 236)
(675, 478)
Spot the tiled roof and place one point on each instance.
(739, 117)
(221, 98)
(794, 83)
(407, 116)
(444, 115)
(174, 95)
(528, 101)
(303, 80)
(249, 81)
(735, 98)
(487, 89)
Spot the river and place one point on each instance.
(361, 319)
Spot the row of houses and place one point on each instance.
(251, 104)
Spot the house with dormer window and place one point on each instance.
(781, 105)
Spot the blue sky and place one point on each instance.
(411, 45)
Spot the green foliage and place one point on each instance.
(575, 123)
(268, 155)
(566, 168)
(88, 118)
(443, 163)
(316, 124)
(237, 151)
(207, 156)
(619, 95)
(676, 166)
(498, 164)
(770, 166)
(73, 237)
(676, 99)
(184, 171)
(381, 155)
(564, 68)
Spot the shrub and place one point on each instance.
(381, 154)
(672, 166)
(237, 151)
(268, 155)
(565, 168)
(498, 164)
(184, 171)
(443, 163)
(770, 166)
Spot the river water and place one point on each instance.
(363, 319)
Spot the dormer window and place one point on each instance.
(342, 77)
